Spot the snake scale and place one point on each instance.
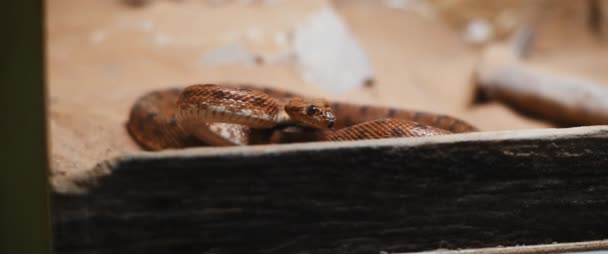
(241, 115)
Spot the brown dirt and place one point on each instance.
(102, 55)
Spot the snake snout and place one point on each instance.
(331, 119)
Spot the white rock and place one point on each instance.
(400, 4)
(232, 53)
(327, 53)
(97, 37)
(479, 31)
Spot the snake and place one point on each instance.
(237, 114)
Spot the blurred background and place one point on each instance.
(413, 54)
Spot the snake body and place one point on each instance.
(241, 115)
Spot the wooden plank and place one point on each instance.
(25, 225)
(580, 247)
(457, 191)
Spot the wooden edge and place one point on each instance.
(80, 183)
(532, 249)
(25, 216)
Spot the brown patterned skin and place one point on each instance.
(152, 125)
(215, 103)
(170, 119)
(383, 128)
(348, 114)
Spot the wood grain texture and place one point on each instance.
(455, 191)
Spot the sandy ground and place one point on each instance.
(102, 55)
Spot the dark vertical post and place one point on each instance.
(24, 205)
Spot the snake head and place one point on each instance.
(311, 112)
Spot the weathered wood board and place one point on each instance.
(458, 191)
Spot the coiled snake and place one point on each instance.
(240, 115)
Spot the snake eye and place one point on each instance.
(311, 110)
